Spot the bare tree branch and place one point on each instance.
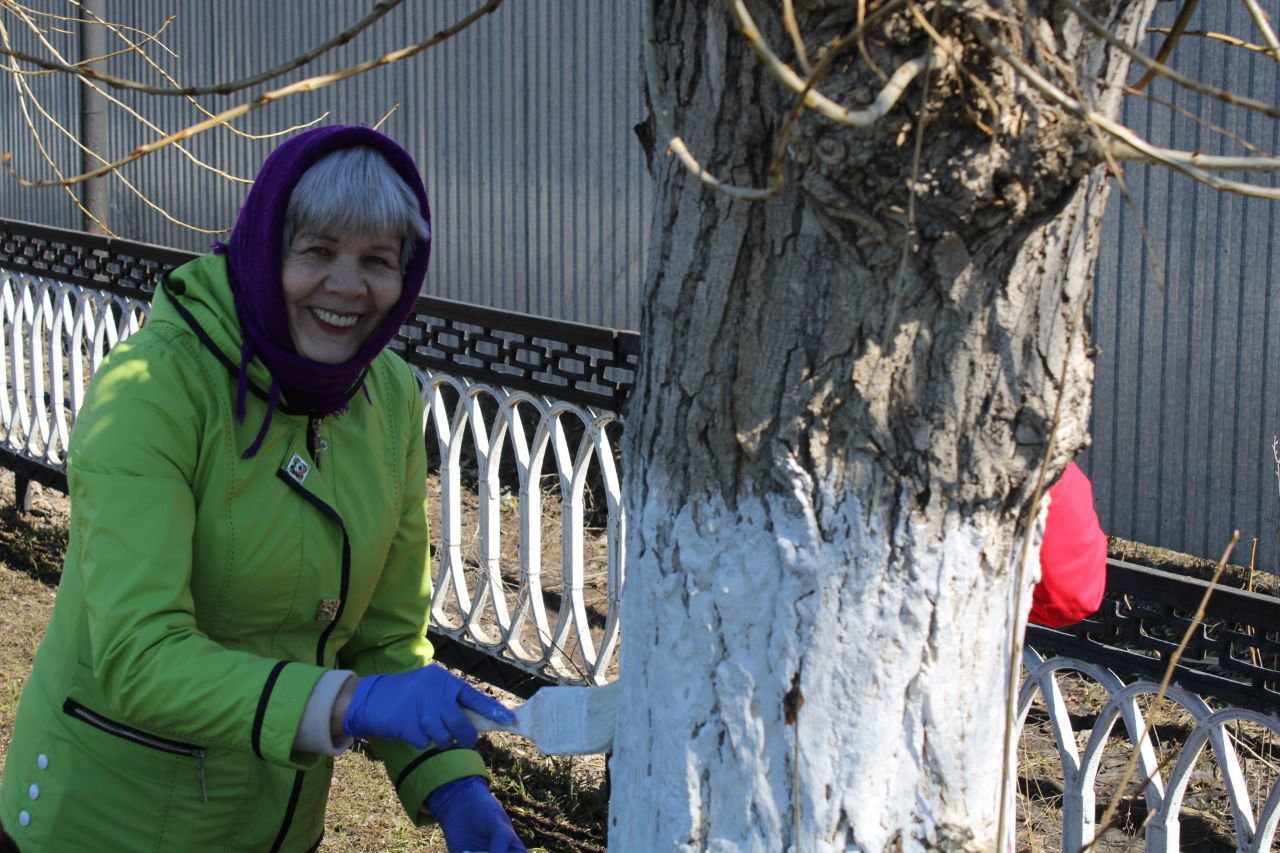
(1222, 37)
(37, 13)
(1224, 95)
(1171, 40)
(1174, 160)
(117, 102)
(135, 47)
(1190, 115)
(378, 11)
(820, 103)
(1263, 23)
(676, 145)
(132, 47)
(793, 28)
(1123, 150)
(25, 94)
(310, 84)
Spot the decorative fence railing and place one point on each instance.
(523, 412)
(523, 419)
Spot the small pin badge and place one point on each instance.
(298, 469)
(327, 609)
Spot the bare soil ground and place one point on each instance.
(560, 804)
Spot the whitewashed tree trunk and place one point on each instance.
(828, 465)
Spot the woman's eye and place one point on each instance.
(377, 261)
(317, 251)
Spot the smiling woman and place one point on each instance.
(350, 230)
(337, 290)
(247, 587)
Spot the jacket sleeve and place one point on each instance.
(130, 469)
(1073, 556)
(392, 635)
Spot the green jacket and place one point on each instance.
(204, 595)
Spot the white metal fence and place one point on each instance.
(53, 336)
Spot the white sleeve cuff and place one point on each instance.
(315, 732)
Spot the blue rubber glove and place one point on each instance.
(471, 818)
(420, 707)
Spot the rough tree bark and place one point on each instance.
(831, 452)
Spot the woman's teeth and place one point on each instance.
(332, 319)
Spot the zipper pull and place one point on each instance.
(204, 796)
(318, 444)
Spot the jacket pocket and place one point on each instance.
(104, 724)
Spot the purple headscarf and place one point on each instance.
(254, 259)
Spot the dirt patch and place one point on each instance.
(1235, 574)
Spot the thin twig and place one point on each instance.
(310, 84)
(1225, 95)
(388, 114)
(379, 10)
(133, 113)
(1263, 23)
(1170, 40)
(1179, 161)
(23, 90)
(1224, 132)
(75, 140)
(155, 66)
(146, 37)
(983, 89)
(793, 28)
(1117, 174)
(1020, 605)
(862, 42)
(53, 16)
(1229, 40)
(815, 100)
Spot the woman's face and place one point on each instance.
(337, 289)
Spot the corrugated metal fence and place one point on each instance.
(523, 128)
(1187, 399)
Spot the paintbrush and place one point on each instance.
(563, 720)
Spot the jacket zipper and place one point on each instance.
(315, 444)
(101, 723)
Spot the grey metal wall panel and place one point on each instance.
(59, 97)
(1186, 401)
(522, 126)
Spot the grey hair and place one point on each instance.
(355, 190)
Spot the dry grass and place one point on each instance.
(1205, 818)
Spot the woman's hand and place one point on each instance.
(471, 818)
(420, 707)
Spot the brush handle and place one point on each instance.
(484, 724)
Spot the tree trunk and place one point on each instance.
(832, 450)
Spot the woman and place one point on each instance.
(247, 582)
